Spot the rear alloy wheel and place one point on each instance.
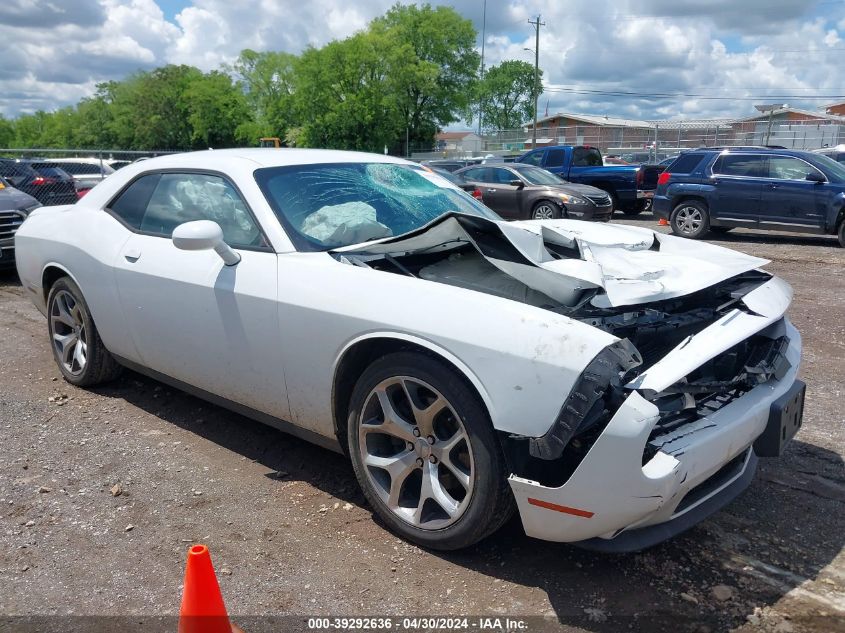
(79, 353)
(425, 454)
(690, 219)
(545, 210)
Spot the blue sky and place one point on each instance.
(598, 56)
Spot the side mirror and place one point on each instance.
(203, 235)
(516, 182)
(816, 177)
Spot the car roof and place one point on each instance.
(267, 157)
(798, 153)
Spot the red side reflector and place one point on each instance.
(557, 508)
(664, 178)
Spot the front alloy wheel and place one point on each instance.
(545, 211)
(416, 452)
(425, 453)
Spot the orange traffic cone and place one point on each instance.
(663, 222)
(202, 609)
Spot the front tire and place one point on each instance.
(842, 234)
(77, 349)
(691, 219)
(545, 210)
(425, 453)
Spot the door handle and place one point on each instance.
(132, 255)
(491, 191)
(773, 186)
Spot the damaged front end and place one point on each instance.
(677, 437)
(657, 431)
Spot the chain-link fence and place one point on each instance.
(648, 141)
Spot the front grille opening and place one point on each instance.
(718, 479)
(714, 385)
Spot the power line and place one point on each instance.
(684, 95)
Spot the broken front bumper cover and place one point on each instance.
(611, 492)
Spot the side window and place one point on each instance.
(586, 157)
(500, 176)
(685, 164)
(556, 158)
(534, 158)
(476, 174)
(787, 168)
(130, 205)
(180, 198)
(739, 165)
(839, 158)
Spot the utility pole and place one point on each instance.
(537, 24)
(483, 37)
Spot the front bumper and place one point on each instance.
(612, 492)
(590, 212)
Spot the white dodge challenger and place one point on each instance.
(612, 384)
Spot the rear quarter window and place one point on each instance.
(685, 164)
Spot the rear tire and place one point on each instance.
(77, 348)
(842, 233)
(691, 219)
(425, 453)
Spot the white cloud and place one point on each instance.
(55, 51)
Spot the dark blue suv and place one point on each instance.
(717, 189)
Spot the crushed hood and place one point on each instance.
(563, 258)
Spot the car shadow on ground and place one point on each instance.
(780, 533)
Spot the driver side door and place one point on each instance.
(191, 317)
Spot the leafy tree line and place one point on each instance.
(412, 71)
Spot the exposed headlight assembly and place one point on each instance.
(591, 400)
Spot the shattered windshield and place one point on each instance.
(328, 206)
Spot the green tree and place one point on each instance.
(343, 96)
(95, 122)
(151, 110)
(216, 107)
(7, 132)
(507, 94)
(267, 81)
(434, 80)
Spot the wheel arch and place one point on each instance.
(686, 197)
(50, 274)
(555, 204)
(363, 350)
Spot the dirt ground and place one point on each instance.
(290, 534)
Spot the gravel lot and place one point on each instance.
(103, 491)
